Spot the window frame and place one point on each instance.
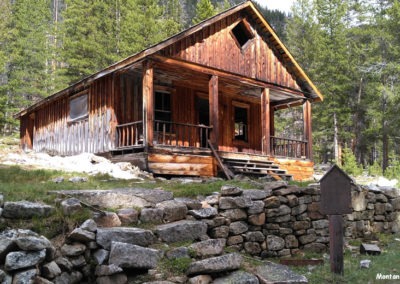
(248, 33)
(75, 97)
(246, 106)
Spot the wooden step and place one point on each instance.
(277, 169)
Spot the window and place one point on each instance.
(241, 121)
(162, 109)
(78, 108)
(242, 33)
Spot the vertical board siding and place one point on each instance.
(54, 134)
(214, 46)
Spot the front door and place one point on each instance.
(203, 118)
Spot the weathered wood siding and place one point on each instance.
(214, 46)
(299, 169)
(54, 134)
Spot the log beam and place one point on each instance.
(214, 113)
(266, 122)
(308, 128)
(148, 103)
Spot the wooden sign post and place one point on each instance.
(336, 201)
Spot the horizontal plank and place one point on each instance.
(190, 159)
(203, 173)
(179, 166)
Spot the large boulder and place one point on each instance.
(173, 210)
(209, 247)
(229, 202)
(204, 213)
(227, 262)
(237, 277)
(33, 243)
(23, 259)
(136, 236)
(257, 194)
(26, 210)
(276, 273)
(184, 230)
(133, 256)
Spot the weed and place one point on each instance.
(177, 266)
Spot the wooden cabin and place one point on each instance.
(198, 103)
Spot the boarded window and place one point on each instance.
(242, 33)
(78, 108)
(241, 122)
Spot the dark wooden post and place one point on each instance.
(148, 103)
(307, 128)
(266, 122)
(214, 113)
(335, 201)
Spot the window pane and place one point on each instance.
(78, 107)
(240, 123)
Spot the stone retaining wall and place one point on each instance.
(279, 220)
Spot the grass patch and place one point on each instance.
(386, 263)
(177, 266)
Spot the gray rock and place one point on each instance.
(152, 215)
(275, 243)
(78, 261)
(133, 256)
(128, 216)
(252, 248)
(234, 240)
(274, 185)
(234, 214)
(229, 202)
(191, 204)
(69, 278)
(306, 239)
(58, 179)
(106, 270)
(5, 278)
(184, 230)
(81, 235)
(73, 249)
(217, 264)
(180, 252)
(107, 220)
(204, 213)
(237, 277)
(315, 247)
(70, 206)
(173, 210)
(25, 277)
(230, 190)
(51, 270)
(200, 279)
(136, 236)
(6, 245)
(282, 210)
(64, 264)
(219, 232)
(237, 228)
(26, 210)
(78, 179)
(122, 197)
(297, 210)
(286, 191)
(256, 208)
(320, 224)
(119, 278)
(257, 219)
(22, 259)
(276, 273)
(89, 225)
(272, 202)
(100, 256)
(208, 248)
(291, 241)
(41, 280)
(256, 194)
(255, 236)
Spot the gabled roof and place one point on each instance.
(247, 6)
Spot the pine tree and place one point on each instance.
(89, 32)
(29, 53)
(204, 10)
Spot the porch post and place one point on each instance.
(148, 103)
(266, 122)
(214, 114)
(307, 128)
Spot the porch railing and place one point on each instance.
(288, 147)
(130, 134)
(181, 134)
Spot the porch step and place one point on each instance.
(257, 168)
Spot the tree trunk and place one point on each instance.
(336, 139)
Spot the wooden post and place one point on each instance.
(265, 122)
(307, 128)
(335, 201)
(336, 243)
(214, 113)
(148, 104)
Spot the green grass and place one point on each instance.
(388, 262)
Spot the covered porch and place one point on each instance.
(185, 108)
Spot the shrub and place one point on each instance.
(350, 165)
(375, 169)
(393, 171)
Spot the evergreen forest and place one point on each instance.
(349, 48)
